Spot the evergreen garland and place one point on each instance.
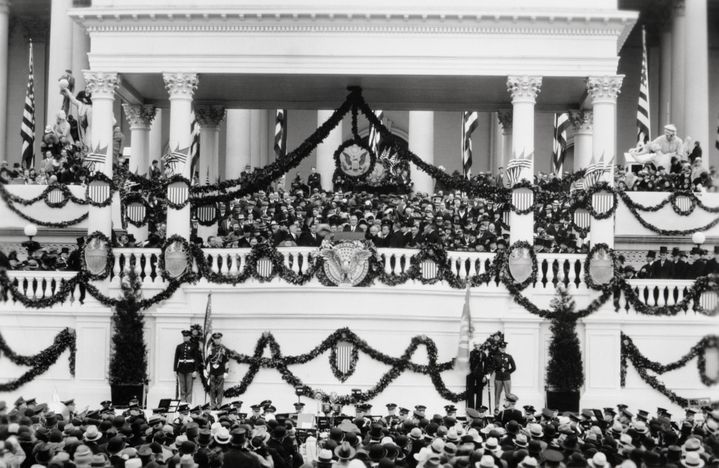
(565, 371)
(128, 361)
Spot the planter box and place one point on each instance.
(563, 401)
(121, 394)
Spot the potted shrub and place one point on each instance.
(565, 372)
(128, 359)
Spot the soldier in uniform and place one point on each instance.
(391, 417)
(503, 368)
(477, 377)
(509, 412)
(216, 366)
(187, 362)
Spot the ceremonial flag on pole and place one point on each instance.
(466, 334)
(27, 127)
(194, 144)
(716, 142)
(561, 123)
(469, 125)
(281, 133)
(643, 125)
(374, 136)
(207, 330)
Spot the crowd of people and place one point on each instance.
(59, 436)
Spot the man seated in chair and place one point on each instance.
(661, 150)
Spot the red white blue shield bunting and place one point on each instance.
(56, 197)
(522, 198)
(709, 300)
(683, 203)
(428, 269)
(178, 192)
(602, 201)
(264, 267)
(96, 255)
(98, 191)
(344, 359)
(582, 218)
(600, 267)
(207, 213)
(176, 260)
(136, 212)
(520, 264)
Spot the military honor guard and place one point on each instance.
(217, 367)
(503, 368)
(477, 377)
(186, 364)
(391, 419)
(510, 413)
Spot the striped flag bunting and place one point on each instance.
(595, 170)
(374, 136)
(207, 330)
(95, 157)
(27, 127)
(513, 173)
(194, 143)
(280, 133)
(643, 124)
(176, 159)
(466, 334)
(469, 125)
(561, 123)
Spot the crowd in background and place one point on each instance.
(36, 436)
(679, 264)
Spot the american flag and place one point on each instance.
(374, 136)
(194, 143)
(207, 330)
(466, 334)
(96, 156)
(176, 159)
(469, 125)
(27, 127)
(716, 143)
(643, 125)
(513, 173)
(561, 123)
(280, 133)
(595, 170)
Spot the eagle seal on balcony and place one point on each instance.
(346, 263)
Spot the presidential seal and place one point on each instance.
(355, 159)
(176, 259)
(346, 262)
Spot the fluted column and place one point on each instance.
(524, 91)
(102, 85)
(156, 139)
(665, 77)
(140, 119)
(582, 122)
(603, 91)
(679, 52)
(421, 143)
(181, 87)
(60, 55)
(210, 118)
(696, 78)
(238, 143)
(326, 150)
(4, 31)
(505, 121)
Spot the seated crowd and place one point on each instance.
(699, 262)
(35, 436)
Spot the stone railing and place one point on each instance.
(38, 284)
(665, 292)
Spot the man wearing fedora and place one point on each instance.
(216, 366)
(187, 362)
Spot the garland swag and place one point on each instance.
(644, 365)
(40, 362)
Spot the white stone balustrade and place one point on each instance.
(658, 292)
(37, 284)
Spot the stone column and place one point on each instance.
(156, 141)
(59, 57)
(326, 150)
(421, 143)
(140, 119)
(696, 79)
(102, 85)
(582, 121)
(4, 32)
(80, 48)
(524, 91)
(209, 118)
(665, 79)
(237, 154)
(263, 128)
(679, 52)
(181, 87)
(505, 121)
(603, 91)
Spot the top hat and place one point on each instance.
(186, 333)
(217, 335)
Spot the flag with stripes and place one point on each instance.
(176, 159)
(643, 125)
(27, 127)
(207, 330)
(513, 173)
(374, 135)
(95, 157)
(561, 123)
(716, 143)
(469, 125)
(466, 333)
(194, 144)
(280, 133)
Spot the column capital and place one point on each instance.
(180, 84)
(139, 116)
(582, 120)
(209, 116)
(504, 116)
(524, 88)
(101, 84)
(604, 88)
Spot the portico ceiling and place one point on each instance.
(382, 92)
